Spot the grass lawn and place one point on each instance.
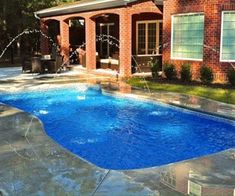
(218, 94)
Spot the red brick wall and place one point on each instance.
(212, 10)
(64, 36)
(90, 44)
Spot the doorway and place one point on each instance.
(106, 50)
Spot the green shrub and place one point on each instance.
(231, 76)
(170, 71)
(155, 68)
(186, 73)
(206, 75)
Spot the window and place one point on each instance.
(169, 178)
(227, 49)
(187, 37)
(149, 37)
(194, 189)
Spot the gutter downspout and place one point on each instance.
(36, 16)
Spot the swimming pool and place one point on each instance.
(123, 133)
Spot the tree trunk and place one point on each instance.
(18, 45)
(12, 54)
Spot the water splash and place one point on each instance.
(102, 38)
(27, 32)
(111, 40)
(218, 52)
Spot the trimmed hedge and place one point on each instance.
(155, 68)
(170, 71)
(186, 73)
(231, 76)
(206, 75)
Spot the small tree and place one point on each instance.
(206, 75)
(155, 67)
(170, 71)
(231, 76)
(186, 73)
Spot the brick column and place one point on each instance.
(212, 40)
(64, 36)
(212, 32)
(90, 44)
(44, 42)
(125, 43)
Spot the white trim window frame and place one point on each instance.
(222, 37)
(172, 36)
(147, 22)
(194, 188)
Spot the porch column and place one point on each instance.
(64, 36)
(90, 44)
(44, 42)
(125, 43)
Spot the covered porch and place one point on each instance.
(123, 36)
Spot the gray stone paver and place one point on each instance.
(117, 183)
(39, 165)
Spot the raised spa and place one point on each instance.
(122, 133)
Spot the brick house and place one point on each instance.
(178, 31)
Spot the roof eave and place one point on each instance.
(78, 9)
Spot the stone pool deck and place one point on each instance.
(32, 164)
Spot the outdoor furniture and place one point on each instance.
(114, 64)
(51, 65)
(109, 63)
(36, 64)
(26, 64)
(55, 65)
(82, 57)
(46, 62)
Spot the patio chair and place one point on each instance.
(56, 66)
(82, 57)
(26, 64)
(36, 65)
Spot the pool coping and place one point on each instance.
(141, 94)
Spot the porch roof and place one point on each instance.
(84, 5)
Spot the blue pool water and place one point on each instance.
(121, 133)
